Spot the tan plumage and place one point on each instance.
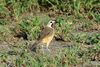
(45, 36)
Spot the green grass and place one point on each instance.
(70, 56)
(78, 22)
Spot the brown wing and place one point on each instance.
(46, 32)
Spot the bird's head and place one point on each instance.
(51, 23)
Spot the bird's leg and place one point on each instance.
(48, 48)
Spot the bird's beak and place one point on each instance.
(53, 25)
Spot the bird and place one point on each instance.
(46, 36)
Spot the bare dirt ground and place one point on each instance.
(55, 47)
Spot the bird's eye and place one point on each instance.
(50, 22)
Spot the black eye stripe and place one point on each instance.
(51, 21)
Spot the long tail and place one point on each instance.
(34, 46)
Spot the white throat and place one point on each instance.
(49, 25)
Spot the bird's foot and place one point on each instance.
(48, 50)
